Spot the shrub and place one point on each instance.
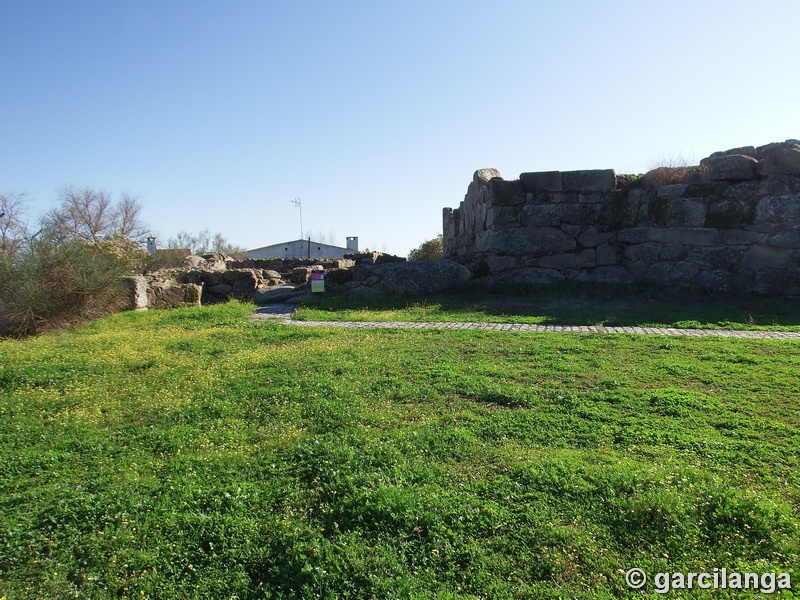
(55, 285)
(429, 250)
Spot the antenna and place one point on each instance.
(298, 203)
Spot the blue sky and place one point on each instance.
(374, 113)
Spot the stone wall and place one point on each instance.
(730, 224)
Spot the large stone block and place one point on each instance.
(570, 260)
(673, 190)
(725, 258)
(788, 237)
(766, 257)
(741, 151)
(785, 162)
(543, 181)
(423, 277)
(591, 237)
(672, 273)
(607, 254)
(645, 252)
(498, 264)
(136, 288)
(778, 209)
(596, 180)
(541, 215)
(506, 193)
(530, 241)
(777, 282)
(737, 237)
(719, 280)
(730, 213)
(686, 212)
(697, 236)
(736, 167)
(610, 274)
(531, 276)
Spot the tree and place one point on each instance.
(92, 215)
(13, 231)
(428, 250)
(205, 242)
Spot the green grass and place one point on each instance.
(192, 454)
(571, 305)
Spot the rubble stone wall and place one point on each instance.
(730, 224)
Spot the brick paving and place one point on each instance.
(283, 314)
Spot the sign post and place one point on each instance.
(317, 282)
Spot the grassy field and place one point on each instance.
(571, 304)
(193, 454)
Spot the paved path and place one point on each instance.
(283, 313)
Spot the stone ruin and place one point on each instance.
(213, 278)
(730, 224)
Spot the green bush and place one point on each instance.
(428, 250)
(54, 285)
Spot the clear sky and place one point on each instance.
(375, 113)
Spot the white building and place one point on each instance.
(304, 249)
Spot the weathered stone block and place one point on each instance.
(541, 215)
(498, 264)
(674, 190)
(730, 213)
(742, 151)
(736, 167)
(136, 287)
(543, 181)
(670, 274)
(785, 162)
(235, 275)
(765, 257)
(210, 277)
(591, 237)
(786, 238)
(220, 289)
(607, 254)
(686, 212)
(585, 258)
(505, 193)
(697, 236)
(590, 215)
(719, 280)
(728, 259)
(244, 288)
(738, 237)
(778, 209)
(526, 276)
(531, 241)
(566, 197)
(610, 274)
(596, 180)
(777, 282)
(645, 252)
(594, 198)
(192, 294)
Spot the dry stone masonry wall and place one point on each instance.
(731, 224)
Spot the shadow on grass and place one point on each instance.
(575, 303)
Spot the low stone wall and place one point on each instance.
(215, 278)
(731, 224)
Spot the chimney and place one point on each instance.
(352, 243)
(151, 245)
